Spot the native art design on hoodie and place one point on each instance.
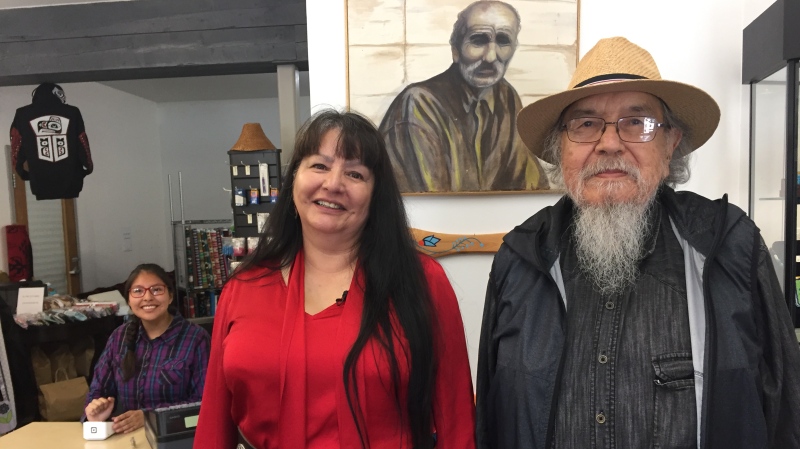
(49, 136)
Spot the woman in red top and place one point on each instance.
(336, 332)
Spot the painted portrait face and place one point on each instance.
(332, 195)
(611, 171)
(488, 45)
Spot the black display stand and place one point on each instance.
(245, 177)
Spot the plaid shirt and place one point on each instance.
(172, 368)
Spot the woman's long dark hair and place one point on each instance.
(394, 277)
(129, 362)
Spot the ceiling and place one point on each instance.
(206, 88)
(8, 4)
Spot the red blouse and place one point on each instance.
(258, 375)
(322, 425)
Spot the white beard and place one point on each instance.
(610, 236)
(610, 242)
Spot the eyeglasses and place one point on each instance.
(139, 291)
(629, 129)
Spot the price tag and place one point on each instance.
(249, 218)
(235, 170)
(247, 170)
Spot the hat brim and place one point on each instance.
(692, 106)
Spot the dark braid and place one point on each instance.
(129, 362)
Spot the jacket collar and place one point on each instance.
(537, 240)
(700, 220)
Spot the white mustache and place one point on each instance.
(603, 165)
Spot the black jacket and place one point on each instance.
(751, 393)
(49, 135)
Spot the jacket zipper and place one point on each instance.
(711, 329)
(549, 440)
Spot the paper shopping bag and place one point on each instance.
(63, 400)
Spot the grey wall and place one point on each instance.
(195, 137)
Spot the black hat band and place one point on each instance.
(609, 78)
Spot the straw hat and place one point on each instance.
(252, 138)
(617, 65)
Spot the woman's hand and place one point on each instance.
(99, 409)
(128, 421)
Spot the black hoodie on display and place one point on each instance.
(49, 135)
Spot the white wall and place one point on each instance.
(752, 9)
(694, 42)
(126, 190)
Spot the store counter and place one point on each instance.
(68, 435)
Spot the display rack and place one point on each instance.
(201, 267)
(255, 181)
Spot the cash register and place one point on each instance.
(171, 427)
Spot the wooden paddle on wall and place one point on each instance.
(439, 244)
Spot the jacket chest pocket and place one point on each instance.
(172, 373)
(674, 406)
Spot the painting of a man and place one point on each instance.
(457, 130)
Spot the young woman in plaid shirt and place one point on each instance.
(155, 359)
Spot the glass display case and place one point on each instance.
(768, 162)
(771, 51)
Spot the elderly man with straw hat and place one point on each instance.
(629, 315)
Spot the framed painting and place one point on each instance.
(444, 80)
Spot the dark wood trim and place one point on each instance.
(20, 199)
(150, 39)
(145, 17)
(73, 272)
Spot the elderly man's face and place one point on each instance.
(488, 45)
(611, 171)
